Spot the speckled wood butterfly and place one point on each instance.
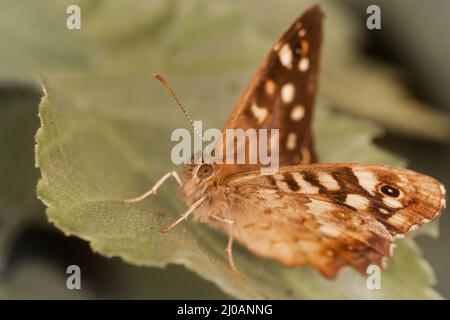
(323, 215)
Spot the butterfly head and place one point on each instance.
(199, 180)
(199, 174)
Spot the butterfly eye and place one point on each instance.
(205, 171)
(390, 191)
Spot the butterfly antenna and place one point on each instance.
(175, 97)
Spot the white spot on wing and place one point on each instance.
(297, 113)
(287, 93)
(291, 141)
(303, 64)
(270, 195)
(269, 87)
(392, 202)
(317, 207)
(305, 186)
(366, 179)
(327, 180)
(397, 221)
(279, 179)
(285, 55)
(302, 33)
(357, 201)
(330, 231)
(259, 113)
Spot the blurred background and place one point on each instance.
(396, 78)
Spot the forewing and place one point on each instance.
(281, 94)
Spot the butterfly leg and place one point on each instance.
(229, 249)
(183, 216)
(155, 187)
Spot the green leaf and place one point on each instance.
(104, 139)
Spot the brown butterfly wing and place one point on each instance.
(281, 94)
(329, 216)
(282, 227)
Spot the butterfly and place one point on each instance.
(326, 216)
